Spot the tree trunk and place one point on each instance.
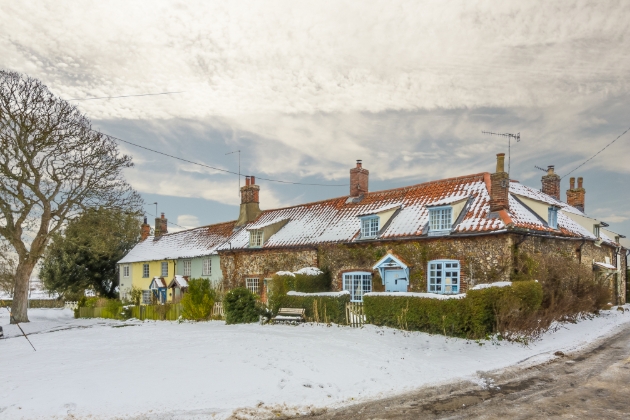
(20, 292)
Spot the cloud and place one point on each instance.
(188, 221)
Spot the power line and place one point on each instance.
(170, 223)
(124, 96)
(592, 157)
(215, 168)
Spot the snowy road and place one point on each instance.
(160, 370)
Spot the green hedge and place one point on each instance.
(474, 316)
(281, 284)
(318, 308)
(40, 303)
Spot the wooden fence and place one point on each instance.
(217, 310)
(355, 316)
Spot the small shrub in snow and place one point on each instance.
(198, 302)
(241, 306)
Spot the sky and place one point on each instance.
(303, 89)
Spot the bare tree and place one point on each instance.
(52, 166)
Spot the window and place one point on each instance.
(357, 283)
(125, 271)
(444, 276)
(440, 220)
(596, 230)
(207, 267)
(146, 297)
(255, 238)
(252, 285)
(553, 217)
(369, 227)
(145, 270)
(164, 269)
(187, 265)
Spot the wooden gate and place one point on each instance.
(355, 317)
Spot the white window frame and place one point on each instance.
(596, 231)
(357, 283)
(187, 267)
(255, 238)
(147, 297)
(145, 271)
(126, 270)
(370, 227)
(164, 272)
(552, 219)
(440, 220)
(253, 283)
(207, 267)
(444, 277)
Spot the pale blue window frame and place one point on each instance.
(145, 270)
(370, 226)
(440, 219)
(357, 283)
(164, 269)
(444, 277)
(552, 219)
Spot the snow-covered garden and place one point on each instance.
(104, 368)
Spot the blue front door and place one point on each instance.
(396, 281)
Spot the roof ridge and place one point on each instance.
(408, 187)
(195, 228)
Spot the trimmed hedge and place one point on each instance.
(40, 303)
(281, 284)
(474, 316)
(318, 308)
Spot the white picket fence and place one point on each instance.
(355, 316)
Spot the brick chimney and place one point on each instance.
(250, 203)
(161, 226)
(358, 180)
(576, 196)
(499, 186)
(551, 183)
(145, 230)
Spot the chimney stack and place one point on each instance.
(358, 180)
(499, 186)
(551, 183)
(145, 230)
(576, 196)
(161, 226)
(250, 203)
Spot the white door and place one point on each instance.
(396, 281)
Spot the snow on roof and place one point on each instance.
(157, 282)
(178, 281)
(185, 244)
(605, 265)
(336, 220)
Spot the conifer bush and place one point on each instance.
(241, 306)
(198, 302)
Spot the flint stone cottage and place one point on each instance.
(437, 237)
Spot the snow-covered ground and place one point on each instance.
(105, 369)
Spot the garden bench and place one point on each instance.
(292, 315)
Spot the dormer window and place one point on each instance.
(369, 227)
(255, 238)
(440, 220)
(552, 218)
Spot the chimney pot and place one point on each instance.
(576, 196)
(580, 181)
(550, 169)
(250, 208)
(500, 162)
(572, 183)
(162, 216)
(252, 180)
(359, 163)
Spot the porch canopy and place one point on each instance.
(389, 262)
(178, 281)
(157, 283)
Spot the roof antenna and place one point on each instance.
(239, 169)
(510, 136)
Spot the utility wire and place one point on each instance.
(170, 223)
(215, 168)
(124, 96)
(592, 157)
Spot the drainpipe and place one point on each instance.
(580, 249)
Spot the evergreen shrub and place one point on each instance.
(240, 306)
(198, 302)
(478, 314)
(327, 309)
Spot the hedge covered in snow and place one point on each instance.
(474, 316)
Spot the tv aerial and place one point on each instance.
(510, 136)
